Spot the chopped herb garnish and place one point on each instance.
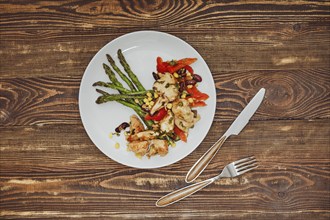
(172, 62)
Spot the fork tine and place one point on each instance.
(246, 170)
(239, 166)
(243, 160)
(246, 166)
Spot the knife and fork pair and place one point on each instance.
(233, 169)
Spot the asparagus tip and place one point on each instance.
(99, 100)
(110, 59)
(96, 83)
(102, 92)
(105, 66)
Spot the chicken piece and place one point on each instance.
(136, 125)
(182, 110)
(167, 123)
(166, 85)
(160, 103)
(139, 147)
(143, 136)
(182, 124)
(158, 146)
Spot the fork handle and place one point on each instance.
(182, 193)
(202, 163)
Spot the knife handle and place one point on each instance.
(183, 193)
(202, 163)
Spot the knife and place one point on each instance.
(235, 128)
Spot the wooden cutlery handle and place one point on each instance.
(182, 193)
(201, 164)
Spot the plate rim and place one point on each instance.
(95, 57)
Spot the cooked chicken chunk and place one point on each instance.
(139, 147)
(182, 124)
(167, 123)
(182, 110)
(158, 146)
(166, 86)
(184, 117)
(143, 136)
(136, 125)
(160, 103)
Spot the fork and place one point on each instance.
(233, 169)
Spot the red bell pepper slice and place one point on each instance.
(187, 61)
(162, 67)
(198, 103)
(180, 133)
(181, 64)
(158, 116)
(170, 67)
(198, 95)
(189, 69)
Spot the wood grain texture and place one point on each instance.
(50, 169)
(230, 35)
(295, 94)
(293, 157)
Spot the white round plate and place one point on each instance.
(140, 50)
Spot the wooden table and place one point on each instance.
(50, 168)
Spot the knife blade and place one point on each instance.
(244, 117)
(235, 128)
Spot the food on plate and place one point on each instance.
(165, 113)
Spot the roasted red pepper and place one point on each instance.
(161, 66)
(197, 103)
(159, 115)
(196, 94)
(173, 66)
(181, 64)
(189, 69)
(180, 133)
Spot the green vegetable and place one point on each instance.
(115, 97)
(129, 71)
(121, 89)
(126, 97)
(120, 73)
(112, 75)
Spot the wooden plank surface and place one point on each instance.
(294, 94)
(50, 169)
(76, 176)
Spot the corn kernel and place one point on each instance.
(136, 101)
(117, 145)
(110, 135)
(149, 94)
(188, 73)
(156, 95)
(189, 86)
(176, 75)
(138, 156)
(152, 103)
(190, 100)
(149, 99)
(145, 100)
(184, 95)
(169, 106)
(173, 144)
